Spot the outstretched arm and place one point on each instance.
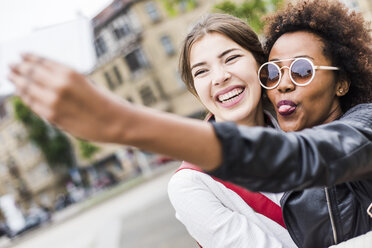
(258, 158)
(70, 101)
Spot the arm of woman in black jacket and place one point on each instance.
(264, 159)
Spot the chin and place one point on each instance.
(290, 126)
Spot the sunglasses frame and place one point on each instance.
(313, 67)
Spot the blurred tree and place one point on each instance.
(53, 143)
(174, 7)
(87, 149)
(251, 11)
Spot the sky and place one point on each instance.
(20, 17)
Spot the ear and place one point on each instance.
(342, 87)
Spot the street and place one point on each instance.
(141, 217)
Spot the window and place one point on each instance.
(136, 60)
(152, 11)
(100, 46)
(167, 44)
(109, 81)
(183, 5)
(118, 76)
(148, 97)
(122, 31)
(186, 5)
(118, 79)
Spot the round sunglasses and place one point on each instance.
(302, 72)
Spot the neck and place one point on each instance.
(336, 112)
(255, 118)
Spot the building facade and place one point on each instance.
(137, 44)
(24, 172)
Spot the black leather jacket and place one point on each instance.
(326, 171)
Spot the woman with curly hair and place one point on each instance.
(319, 80)
(335, 45)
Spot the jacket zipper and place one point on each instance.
(331, 215)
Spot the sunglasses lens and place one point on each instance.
(269, 75)
(302, 71)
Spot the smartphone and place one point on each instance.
(70, 43)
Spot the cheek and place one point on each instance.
(203, 91)
(271, 95)
(256, 89)
(321, 93)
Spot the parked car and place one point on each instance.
(36, 217)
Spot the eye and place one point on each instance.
(233, 57)
(199, 72)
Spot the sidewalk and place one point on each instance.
(90, 203)
(106, 194)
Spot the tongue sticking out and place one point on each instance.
(286, 109)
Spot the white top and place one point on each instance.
(217, 217)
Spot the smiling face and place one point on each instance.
(300, 107)
(225, 79)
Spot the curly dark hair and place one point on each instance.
(346, 37)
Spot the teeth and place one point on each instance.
(227, 97)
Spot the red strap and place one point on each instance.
(257, 201)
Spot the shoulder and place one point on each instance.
(358, 110)
(359, 116)
(188, 180)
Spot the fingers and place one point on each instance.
(35, 70)
(28, 91)
(20, 82)
(38, 60)
(33, 58)
(25, 70)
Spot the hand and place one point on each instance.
(64, 97)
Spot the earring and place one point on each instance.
(340, 91)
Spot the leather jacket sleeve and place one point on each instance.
(264, 159)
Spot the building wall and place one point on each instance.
(165, 65)
(158, 84)
(22, 163)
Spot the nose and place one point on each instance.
(220, 76)
(285, 84)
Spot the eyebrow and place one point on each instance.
(299, 56)
(219, 56)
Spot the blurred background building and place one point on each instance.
(24, 172)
